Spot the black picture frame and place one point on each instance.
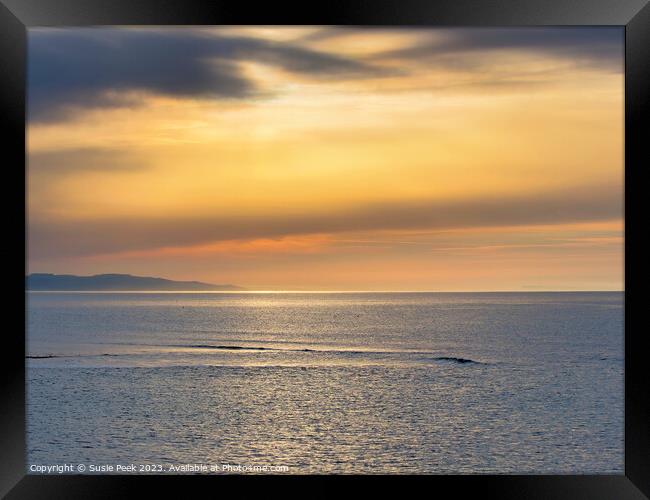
(18, 15)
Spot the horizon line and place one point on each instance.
(324, 291)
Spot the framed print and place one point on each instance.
(362, 241)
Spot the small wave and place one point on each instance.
(451, 359)
(289, 349)
(335, 352)
(461, 361)
(243, 348)
(50, 356)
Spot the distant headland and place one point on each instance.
(116, 282)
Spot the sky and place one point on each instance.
(329, 158)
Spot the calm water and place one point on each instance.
(348, 383)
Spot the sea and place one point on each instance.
(320, 383)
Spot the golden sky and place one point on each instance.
(325, 158)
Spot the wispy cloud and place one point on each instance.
(76, 69)
(59, 163)
(467, 48)
(111, 235)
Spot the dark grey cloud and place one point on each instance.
(466, 48)
(77, 68)
(49, 239)
(72, 69)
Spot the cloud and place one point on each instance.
(467, 48)
(48, 239)
(79, 68)
(75, 69)
(70, 161)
